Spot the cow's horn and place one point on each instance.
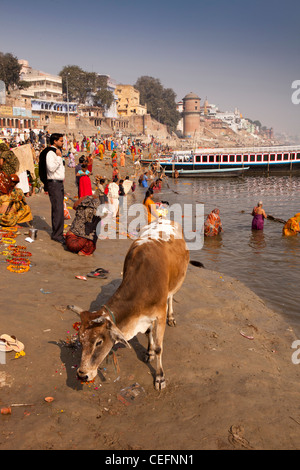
(99, 319)
(75, 309)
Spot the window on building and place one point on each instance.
(272, 157)
(258, 158)
(204, 158)
(231, 158)
(252, 158)
(211, 158)
(286, 156)
(239, 158)
(279, 157)
(225, 158)
(245, 158)
(266, 157)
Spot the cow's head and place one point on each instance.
(97, 335)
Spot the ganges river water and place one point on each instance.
(267, 262)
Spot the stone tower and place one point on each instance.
(191, 114)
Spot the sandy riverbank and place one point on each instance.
(224, 391)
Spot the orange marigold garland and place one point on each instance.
(8, 235)
(17, 255)
(18, 269)
(9, 229)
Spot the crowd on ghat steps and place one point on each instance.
(51, 153)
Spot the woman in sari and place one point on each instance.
(259, 217)
(150, 206)
(114, 159)
(101, 149)
(122, 159)
(213, 225)
(82, 236)
(85, 184)
(13, 206)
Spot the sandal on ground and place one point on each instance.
(4, 346)
(100, 271)
(99, 275)
(12, 342)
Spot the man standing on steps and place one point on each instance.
(52, 165)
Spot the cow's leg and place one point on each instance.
(160, 382)
(170, 317)
(150, 354)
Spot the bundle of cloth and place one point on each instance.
(292, 226)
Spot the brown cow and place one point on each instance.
(154, 270)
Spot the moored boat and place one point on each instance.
(208, 173)
(258, 160)
(160, 158)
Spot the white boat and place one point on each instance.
(258, 160)
(212, 172)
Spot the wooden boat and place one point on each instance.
(260, 160)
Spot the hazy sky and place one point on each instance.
(243, 54)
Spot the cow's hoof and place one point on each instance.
(171, 322)
(149, 356)
(160, 383)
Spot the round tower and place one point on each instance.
(191, 114)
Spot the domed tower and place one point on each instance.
(191, 114)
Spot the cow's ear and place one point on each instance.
(117, 335)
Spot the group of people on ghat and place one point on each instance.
(82, 235)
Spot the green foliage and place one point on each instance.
(103, 97)
(9, 70)
(23, 85)
(73, 83)
(81, 85)
(160, 101)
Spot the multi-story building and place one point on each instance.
(179, 108)
(128, 101)
(47, 100)
(43, 85)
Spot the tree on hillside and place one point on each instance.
(160, 101)
(82, 86)
(9, 70)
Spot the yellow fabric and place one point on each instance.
(151, 210)
(292, 226)
(20, 211)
